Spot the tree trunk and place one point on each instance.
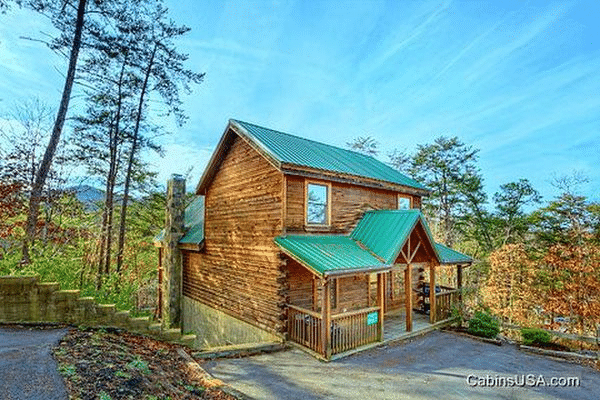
(103, 229)
(42, 173)
(107, 216)
(131, 160)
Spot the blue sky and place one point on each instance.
(518, 80)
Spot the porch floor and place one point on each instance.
(394, 330)
(394, 326)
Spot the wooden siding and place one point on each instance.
(295, 203)
(395, 291)
(239, 271)
(301, 285)
(416, 202)
(349, 202)
(351, 292)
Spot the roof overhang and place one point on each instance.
(298, 170)
(358, 271)
(192, 246)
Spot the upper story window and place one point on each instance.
(317, 204)
(404, 202)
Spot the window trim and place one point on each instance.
(328, 207)
(404, 196)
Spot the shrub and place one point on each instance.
(458, 315)
(535, 336)
(484, 325)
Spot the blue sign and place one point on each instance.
(372, 318)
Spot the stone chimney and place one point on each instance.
(172, 260)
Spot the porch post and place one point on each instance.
(408, 296)
(160, 284)
(459, 282)
(380, 303)
(326, 318)
(432, 305)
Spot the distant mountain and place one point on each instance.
(88, 195)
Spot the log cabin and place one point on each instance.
(292, 239)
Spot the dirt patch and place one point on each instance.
(97, 364)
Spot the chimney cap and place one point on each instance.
(177, 177)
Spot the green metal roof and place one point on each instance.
(385, 231)
(373, 245)
(193, 223)
(449, 256)
(295, 150)
(327, 254)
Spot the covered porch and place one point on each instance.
(354, 324)
(348, 292)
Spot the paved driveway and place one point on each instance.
(27, 369)
(435, 366)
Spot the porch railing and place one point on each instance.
(349, 330)
(444, 301)
(352, 329)
(304, 327)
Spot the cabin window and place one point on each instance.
(317, 204)
(404, 203)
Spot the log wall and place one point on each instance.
(301, 285)
(239, 271)
(349, 202)
(351, 294)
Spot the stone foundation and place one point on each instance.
(214, 328)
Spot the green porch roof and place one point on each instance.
(374, 244)
(385, 231)
(449, 256)
(290, 149)
(327, 254)
(193, 222)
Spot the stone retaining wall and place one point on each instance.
(25, 299)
